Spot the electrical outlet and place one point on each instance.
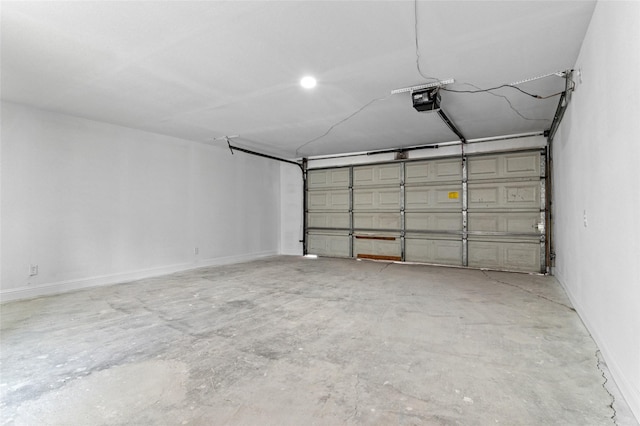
(196, 250)
(33, 270)
(584, 218)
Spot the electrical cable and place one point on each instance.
(359, 110)
(479, 90)
(415, 15)
(518, 112)
(502, 96)
(415, 19)
(500, 87)
(513, 85)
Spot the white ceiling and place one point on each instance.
(201, 70)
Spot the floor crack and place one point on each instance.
(527, 291)
(408, 395)
(386, 266)
(356, 407)
(599, 359)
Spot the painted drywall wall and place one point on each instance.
(291, 204)
(93, 203)
(596, 192)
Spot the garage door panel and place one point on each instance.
(440, 251)
(376, 199)
(522, 222)
(433, 221)
(368, 246)
(328, 220)
(433, 171)
(446, 197)
(505, 255)
(376, 175)
(328, 178)
(522, 165)
(447, 170)
(505, 195)
(482, 168)
(504, 166)
(377, 221)
(487, 196)
(418, 172)
(334, 245)
(328, 200)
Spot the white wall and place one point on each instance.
(596, 159)
(291, 199)
(93, 203)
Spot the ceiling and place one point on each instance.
(203, 70)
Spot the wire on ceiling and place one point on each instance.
(500, 96)
(415, 16)
(415, 23)
(359, 110)
(513, 85)
(499, 87)
(478, 89)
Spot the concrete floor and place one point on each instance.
(294, 341)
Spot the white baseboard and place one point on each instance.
(629, 393)
(228, 260)
(29, 292)
(293, 252)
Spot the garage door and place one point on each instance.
(483, 211)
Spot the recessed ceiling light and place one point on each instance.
(308, 82)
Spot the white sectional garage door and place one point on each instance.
(483, 211)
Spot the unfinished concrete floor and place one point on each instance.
(295, 341)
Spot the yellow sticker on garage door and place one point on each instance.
(454, 195)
